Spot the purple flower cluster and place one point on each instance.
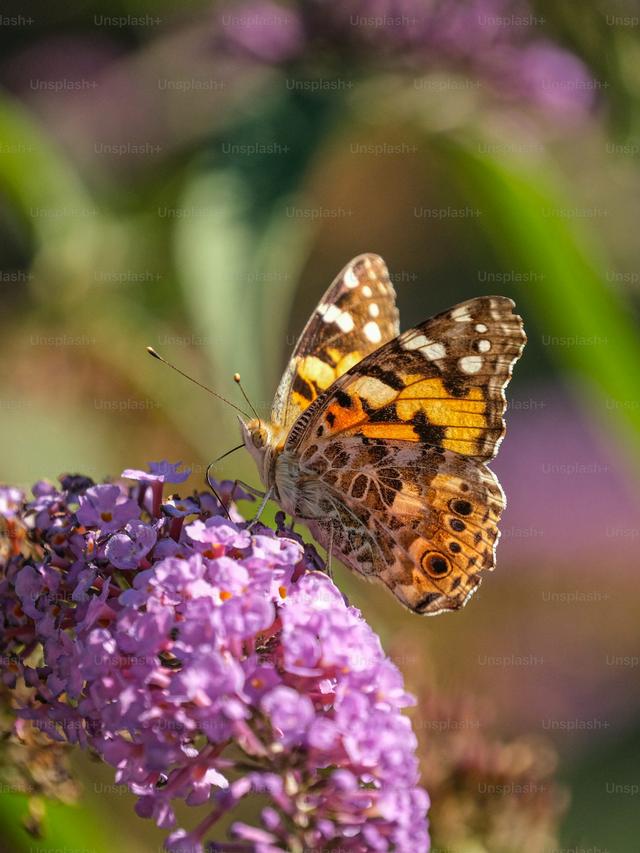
(500, 43)
(206, 661)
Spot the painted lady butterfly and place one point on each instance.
(377, 441)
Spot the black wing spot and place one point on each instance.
(435, 564)
(427, 432)
(454, 387)
(387, 376)
(457, 525)
(385, 414)
(461, 507)
(304, 388)
(343, 399)
(331, 418)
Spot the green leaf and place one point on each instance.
(589, 326)
(47, 194)
(65, 827)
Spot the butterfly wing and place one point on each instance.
(398, 444)
(440, 384)
(421, 520)
(354, 317)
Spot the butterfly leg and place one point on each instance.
(329, 569)
(251, 489)
(265, 498)
(215, 492)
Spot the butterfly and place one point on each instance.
(377, 440)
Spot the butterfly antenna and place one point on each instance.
(236, 379)
(153, 353)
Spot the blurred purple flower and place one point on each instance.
(226, 656)
(269, 31)
(556, 79)
(10, 501)
(499, 42)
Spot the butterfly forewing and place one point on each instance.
(440, 384)
(355, 316)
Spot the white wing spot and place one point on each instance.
(330, 313)
(350, 278)
(429, 349)
(344, 322)
(366, 291)
(374, 311)
(374, 391)
(372, 332)
(416, 343)
(433, 351)
(480, 327)
(461, 314)
(470, 363)
(484, 346)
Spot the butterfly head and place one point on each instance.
(261, 441)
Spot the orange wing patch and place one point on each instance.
(463, 418)
(312, 375)
(373, 409)
(390, 432)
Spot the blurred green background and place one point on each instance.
(193, 177)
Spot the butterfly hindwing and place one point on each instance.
(355, 316)
(440, 384)
(421, 520)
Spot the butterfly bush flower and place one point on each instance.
(498, 43)
(206, 661)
